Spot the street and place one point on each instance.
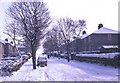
(61, 70)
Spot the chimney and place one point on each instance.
(6, 40)
(11, 42)
(84, 32)
(100, 26)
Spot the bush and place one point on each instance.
(8, 65)
(104, 61)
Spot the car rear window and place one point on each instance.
(42, 58)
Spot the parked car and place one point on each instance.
(64, 55)
(25, 57)
(42, 61)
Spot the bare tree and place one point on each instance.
(70, 29)
(33, 18)
(50, 42)
(53, 40)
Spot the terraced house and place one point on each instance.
(6, 49)
(2, 43)
(103, 37)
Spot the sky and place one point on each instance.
(93, 11)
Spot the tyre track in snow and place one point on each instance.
(44, 75)
(61, 70)
(48, 77)
(66, 75)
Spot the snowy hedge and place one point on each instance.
(10, 64)
(101, 55)
(113, 60)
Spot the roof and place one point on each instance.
(2, 41)
(104, 30)
(84, 36)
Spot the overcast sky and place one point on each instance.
(93, 11)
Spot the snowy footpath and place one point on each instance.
(61, 70)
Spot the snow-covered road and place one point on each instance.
(61, 70)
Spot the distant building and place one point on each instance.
(21, 48)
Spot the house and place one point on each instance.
(6, 49)
(103, 36)
(21, 48)
(2, 43)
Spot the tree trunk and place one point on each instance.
(34, 60)
(68, 49)
(33, 56)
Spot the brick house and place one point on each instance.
(92, 42)
(6, 49)
(2, 43)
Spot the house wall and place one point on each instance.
(93, 41)
(1, 50)
(8, 49)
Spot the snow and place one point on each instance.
(102, 30)
(102, 55)
(2, 41)
(61, 70)
(110, 46)
(84, 36)
(106, 30)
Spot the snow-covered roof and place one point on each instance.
(106, 30)
(84, 36)
(102, 30)
(2, 41)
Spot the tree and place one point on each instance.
(70, 29)
(58, 38)
(53, 40)
(33, 18)
(50, 42)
